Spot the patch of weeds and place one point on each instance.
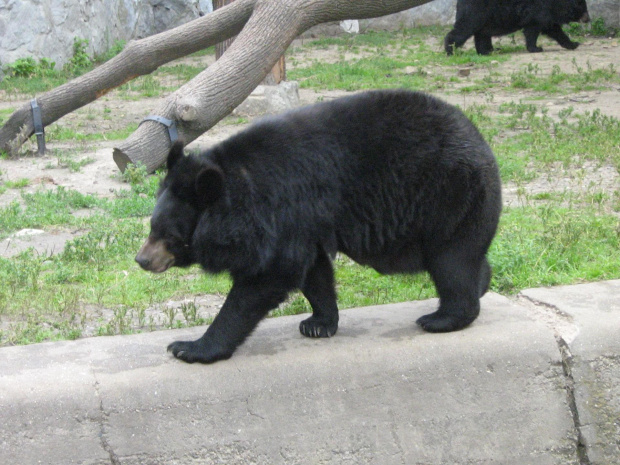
(189, 310)
(116, 48)
(182, 72)
(596, 28)
(28, 67)
(80, 60)
(44, 208)
(135, 173)
(72, 165)
(18, 184)
(232, 121)
(144, 86)
(57, 132)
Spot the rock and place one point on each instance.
(609, 10)
(269, 100)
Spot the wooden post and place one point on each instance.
(278, 72)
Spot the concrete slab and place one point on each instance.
(592, 360)
(380, 392)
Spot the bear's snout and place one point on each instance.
(154, 256)
(585, 18)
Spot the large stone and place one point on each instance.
(609, 10)
(270, 100)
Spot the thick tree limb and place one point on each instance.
(215, 92)
(140, 57)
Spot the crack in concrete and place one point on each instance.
(114, 460)
(249, 410)
(559, 322)
(567, 357)
(565, 332)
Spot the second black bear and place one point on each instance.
(484, 19)
(396, 180)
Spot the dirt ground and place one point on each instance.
(101, 176)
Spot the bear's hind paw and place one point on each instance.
(441, 323)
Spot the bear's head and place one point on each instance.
(191, 185)
(579, 11)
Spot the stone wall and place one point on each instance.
(47, 28)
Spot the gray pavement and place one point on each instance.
(535, 380)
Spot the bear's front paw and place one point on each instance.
(198, 351)
(572, 45)
(315, 327)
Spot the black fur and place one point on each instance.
(484, 19)
(396, 180)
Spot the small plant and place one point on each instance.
(80, 59)
(598, 28)
(28, 67)
(135, 173)
(19, 184)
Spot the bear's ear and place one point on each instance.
(175, 154)
(209, 185)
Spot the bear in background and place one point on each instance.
(397, 180)
(484, 19)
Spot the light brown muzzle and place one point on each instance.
(154, 256)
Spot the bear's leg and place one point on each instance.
(531, 36)
(455, 40)
(557, 34)
(319, 289)
(483, 43)
(457, 279)
(248, 301)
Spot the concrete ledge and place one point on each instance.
(380, 392)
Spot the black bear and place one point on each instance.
(396, 180)
(484, 19)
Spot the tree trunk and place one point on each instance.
(270, 27)
(277, 73)
(221, 47)
(138, 58)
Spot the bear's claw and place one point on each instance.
(312, 327)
